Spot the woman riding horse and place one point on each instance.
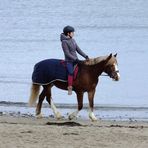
(70, 48)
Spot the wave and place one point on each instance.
(74, 106)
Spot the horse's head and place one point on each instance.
(111, 67)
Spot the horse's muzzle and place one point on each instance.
(115, 76)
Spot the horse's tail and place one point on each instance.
(35, 89)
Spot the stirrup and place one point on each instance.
(69, 90)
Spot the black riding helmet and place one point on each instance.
(68, 29)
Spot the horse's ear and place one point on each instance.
(110, 56)
(115, 55)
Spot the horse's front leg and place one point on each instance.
(80, 105)
(91, 105)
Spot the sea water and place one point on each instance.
(30, 32)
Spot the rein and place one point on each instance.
(104, 75)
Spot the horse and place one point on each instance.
(86, 81)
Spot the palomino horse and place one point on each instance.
(86, 81)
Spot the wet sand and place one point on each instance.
(29, 132)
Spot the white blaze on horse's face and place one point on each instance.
(117, 71)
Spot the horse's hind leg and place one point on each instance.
(39, 105)
(51, 103)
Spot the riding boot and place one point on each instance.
(70, 82)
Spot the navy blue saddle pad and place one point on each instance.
(48, 71)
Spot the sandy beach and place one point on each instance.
(29, 132)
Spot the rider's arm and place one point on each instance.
(80, 51)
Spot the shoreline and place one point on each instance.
(72, 105)
(117, 113)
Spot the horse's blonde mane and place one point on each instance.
(94, 61)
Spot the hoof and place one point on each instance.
(71, 117)
(39, 116)
(92, 117)
(58, 116)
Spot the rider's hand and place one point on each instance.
(77, 61)
(87, 58)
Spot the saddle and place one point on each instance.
(76, 68)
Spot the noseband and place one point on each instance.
(112, 74)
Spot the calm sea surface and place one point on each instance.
(30, 30)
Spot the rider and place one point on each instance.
(70, 48)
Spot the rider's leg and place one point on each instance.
(70, 77)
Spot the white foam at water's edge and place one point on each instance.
(106, 112)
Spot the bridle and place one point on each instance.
(112, 74)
